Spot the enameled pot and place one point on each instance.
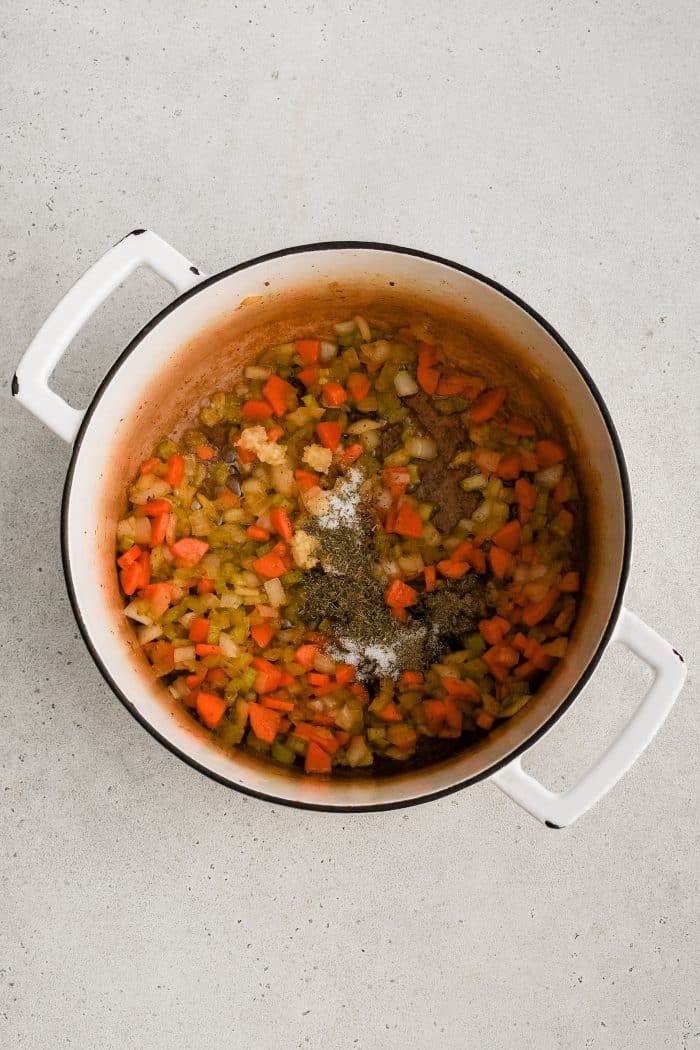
(200, 342)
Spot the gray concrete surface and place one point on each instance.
(552, 145)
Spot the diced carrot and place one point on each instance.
(500, 659)
(462, 551)
(270, 565)
(390, 713)
(329, 434)
(344, 674)
(435, 712)
(409, 678)
(487, 404)
(525, 493)
(519, 642)
(159, 529)
(305, 655)
(564, 520)
(486, 459)
(189, 550)
(210, 708)
(154, 507)
(194, 680)
(494, 630)
(216, 676)
(207, 650)
(484, 720)
(466, 690)
(129, 557)
(538, 610)
(565, 619)
(309, 376)
(281, 394)
(509, 466)
(453, 714)
(549, 453)
(562, 490)
(359, 386)
(351, 453)
(149, 465)
(309, 350)
(274, 433)
(430, 576)
(316, 759)
(570, 582)
(246, 455)
(256, 532)
(264, 722)
(527, 553)
(261, 634)
(508, 536)
(176, 470)
(256, 410)
(161, 654)
(205, 452)
(136, 575)
(454, 570)
(158, 596)
(477, 560)
(277, 703)
(408, 521)
(400, 614)
(453, 382)
(199, 629)
(427, 374)
(525, 671)
(305, 480)
(399, 595)
(279, 519)
(333, 395)
(206, 585)
(521, 427)
(500, 561)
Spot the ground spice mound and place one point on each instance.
(344, 597)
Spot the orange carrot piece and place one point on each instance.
(279, 519)
(305, 655)
(309, 350)
(305, 480)
(149, 465)
(270, 565)
(351, 453)
(521, 427)
(570, 582)
(390, 713)
(206, 585)
(274, 433)
(334, 394)
(487, 404)
(176, 470)
(477, 560)
(129, 557)
(359, 386)
(329, 434)
(262, 634)
(538, 610)
(454, 570)
(430, 576)
(189, 551)
(500, 561)
(345, 674)
(549, 453)
(199, 629)
(509, 466)
(525, 493)
(256, 532)
(202, 649)
(409, 678)
(316, 759)
(435, 712)
(205, 452)
(309, 376)
(264, 722)
(256, 410)
(494, 630)
(399, 595)
(408, 522)
(277, 703)
(154, 507)
(159, 529)
(456, 687)
(508, 536)
(484, 720)
(564, 520)
(210, 708)
(158, 596)
(281, 394)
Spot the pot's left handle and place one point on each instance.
(30, 384)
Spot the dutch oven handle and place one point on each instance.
(30, 384)
(557, 810)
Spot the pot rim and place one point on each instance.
(626, 499)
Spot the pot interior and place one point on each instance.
(200, 344)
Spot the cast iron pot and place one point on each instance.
(201, 341)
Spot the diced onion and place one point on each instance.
(377, 352)
(328, 351)
(275, 592)
(230, 601)
(358, 753)
(549, 477)
(147, 488)
(256, 372)
(183, 653)
(134, 614)
(421, 447)
(475, 482)
(362, 426)
(363, 328)
(482, 512)
(228, 646)
(411, 564)
(371, 440)
(344, 328)
(282, 478)
(142, 530)
(324, 664)
(149, 634)
(405, 384)
(180, 688)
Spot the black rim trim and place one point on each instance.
(626, 495)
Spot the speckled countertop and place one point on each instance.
(553, 146)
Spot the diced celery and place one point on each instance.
(281, 753)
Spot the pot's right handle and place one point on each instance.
(557, 810)
(30, 384)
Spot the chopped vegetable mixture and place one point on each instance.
(359, 549)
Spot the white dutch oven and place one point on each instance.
(200, 341)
